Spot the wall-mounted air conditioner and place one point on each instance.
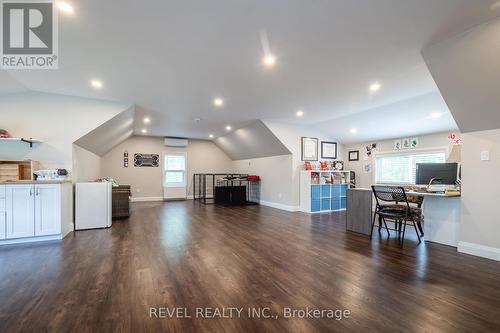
(176, 142)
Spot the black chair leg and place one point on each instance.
(379, 224)
(419, 225)
(416, 231)
(403, 236)
(373, 224)
(387, 229)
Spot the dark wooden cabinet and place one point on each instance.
(121, 202)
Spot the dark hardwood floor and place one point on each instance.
(185, 254)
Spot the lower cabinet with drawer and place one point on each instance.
(3, 215)
(35, 212)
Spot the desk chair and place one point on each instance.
(392, 204)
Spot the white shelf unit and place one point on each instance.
(29, 141)
(323, 190)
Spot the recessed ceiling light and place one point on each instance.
(269, 60)
(197, 119)
(218, 101)
(435, 115)
(96, 84)
(375, 86)
(144, 131)
(228, 128)
(353, 131)
(147, 120)
(299, 113)
(65, 7)
(211, 136)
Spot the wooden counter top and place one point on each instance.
(20, 182)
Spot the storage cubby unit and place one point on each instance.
(323, 190)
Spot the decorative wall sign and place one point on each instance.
(309, 149)
(406, 143)
(454, 139)
(414, 142)
(328, 150)
(146, 160)
(354, 155)
(398, 144)
(125, 159)
(371, 148)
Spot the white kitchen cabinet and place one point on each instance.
(3, 215)
(35, 212)
(47, 209)
(20, 202)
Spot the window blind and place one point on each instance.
(401, 168)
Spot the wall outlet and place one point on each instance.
(138, 190)
(485, 155)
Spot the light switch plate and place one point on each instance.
(485, 155)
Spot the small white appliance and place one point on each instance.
(93, 205)
(51, 174)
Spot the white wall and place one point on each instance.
(252, 141)
(290, 135)
(276, 178)
(480, 224)
(57, 120)
(202, 157)
(86, 165)
(364, 179)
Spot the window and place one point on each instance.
(175, 170)
(401, 168)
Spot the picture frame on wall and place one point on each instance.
(354, 155)
(398, 144)
(329, 150)
(406, 143)
(309, 149)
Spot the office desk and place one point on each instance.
(441, 217)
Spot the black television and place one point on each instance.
(442, 173)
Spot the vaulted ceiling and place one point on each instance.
(171, 58)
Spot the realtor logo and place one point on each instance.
(29, 35)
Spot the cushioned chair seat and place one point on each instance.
(416, 212)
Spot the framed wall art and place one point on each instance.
(329, 150)
(354, 155)
(309, 149)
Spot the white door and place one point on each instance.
(174, 175)
(47, 209)
(20, 202)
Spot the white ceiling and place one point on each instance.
(467, 71)
(171, 58)
(408, 117)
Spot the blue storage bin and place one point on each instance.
(325, 191)
(315, 206)
(343, 203)
(335, 204)
(335, 190)
(343, 190)
(325, 204)
(315, 192)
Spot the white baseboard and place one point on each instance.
(479, 250)
(140, 199)
(280, 206)
(30, 239)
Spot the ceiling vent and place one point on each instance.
(176, 142)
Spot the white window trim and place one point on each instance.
(174, 185)
(402, 152)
